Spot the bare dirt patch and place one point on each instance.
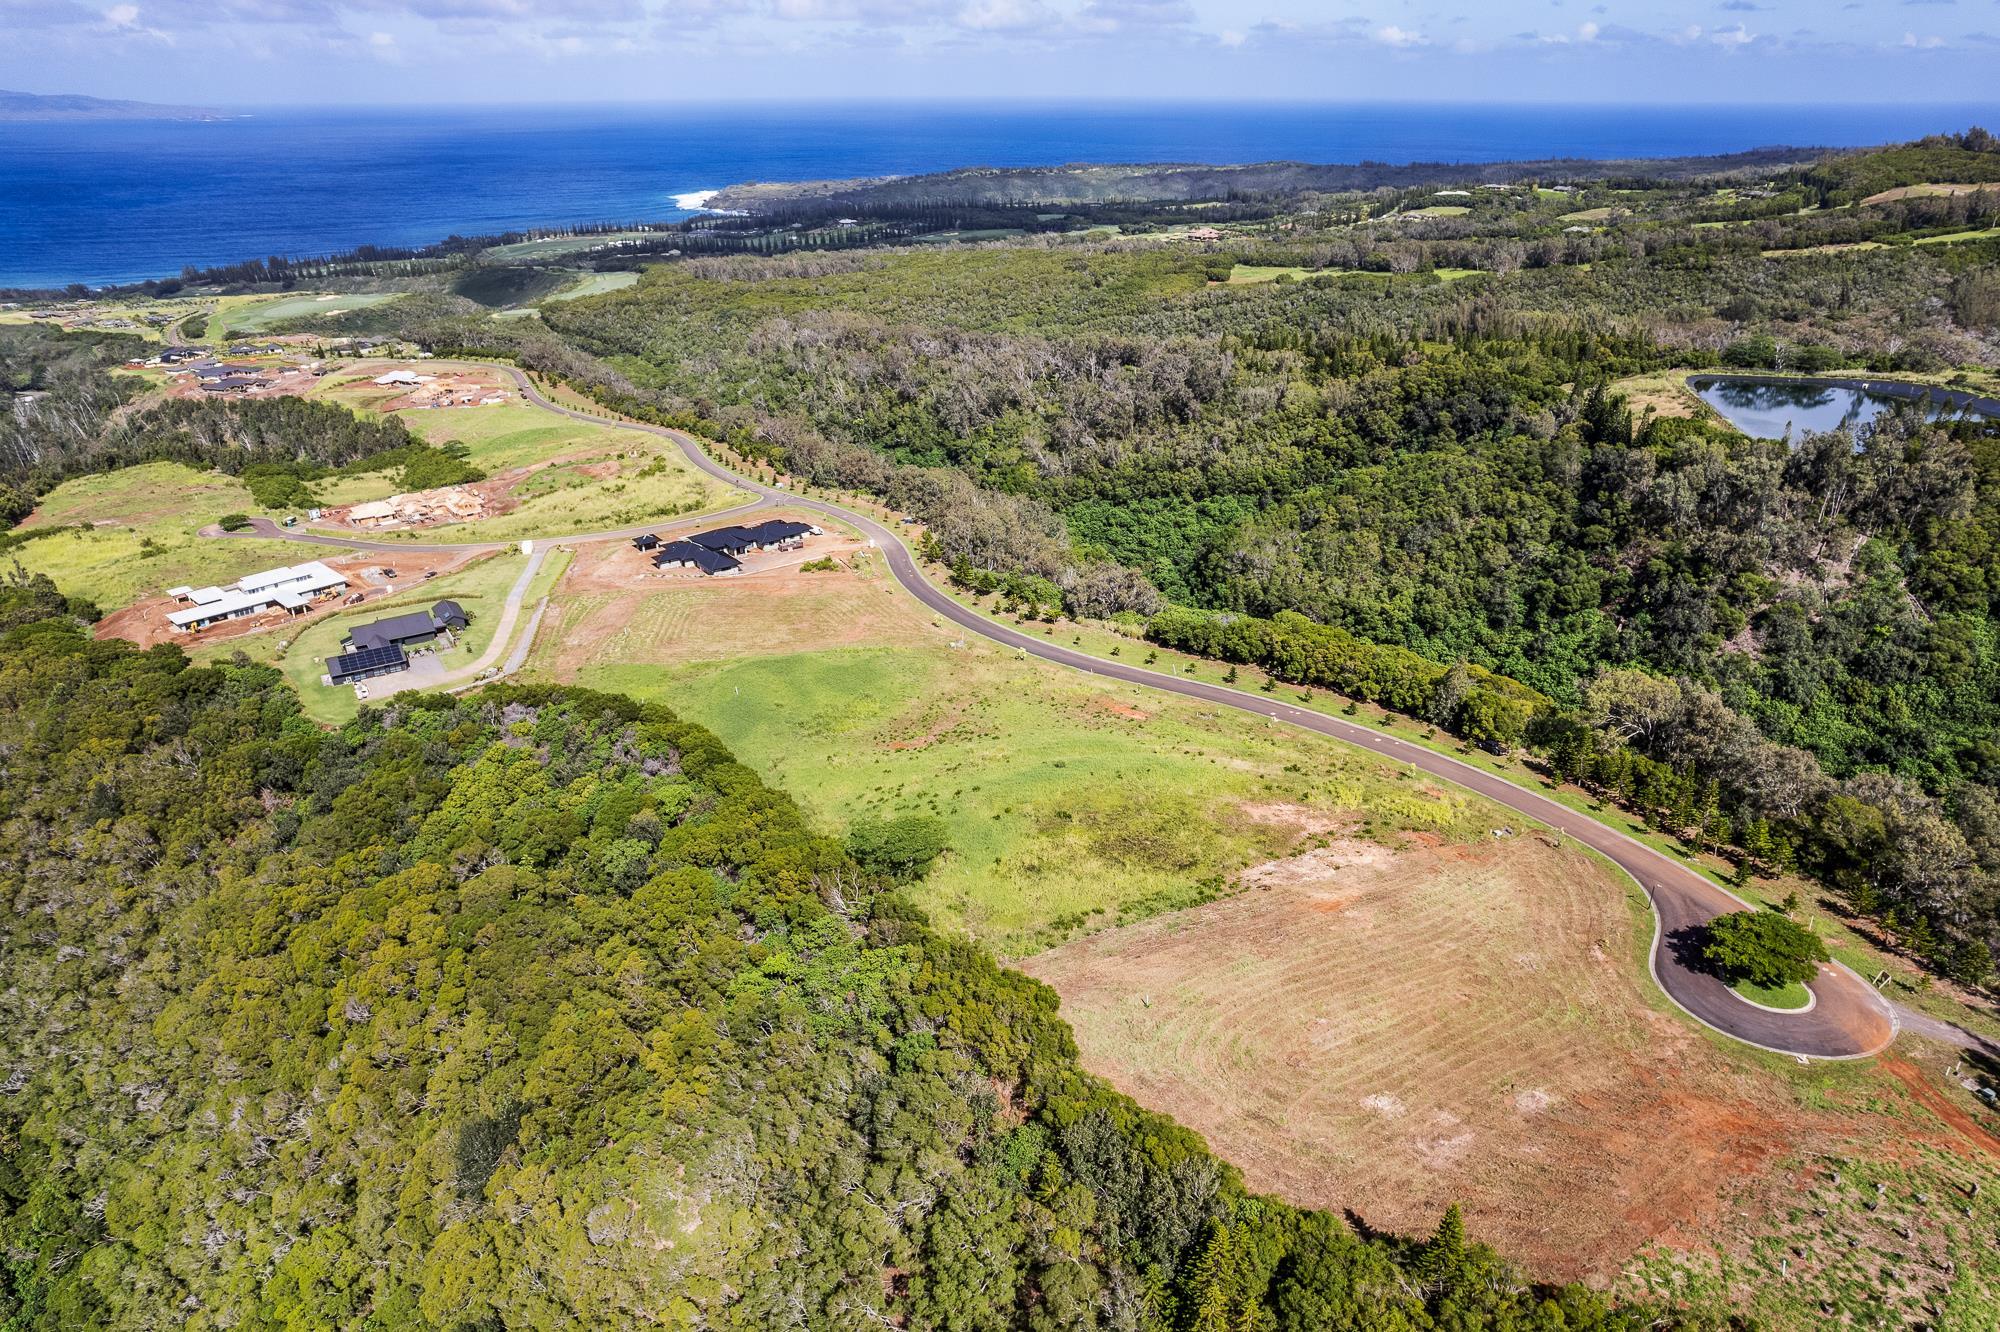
(452, 388)
(145, 622)
(1925, 191)
(1394, 1031)
(615, 607)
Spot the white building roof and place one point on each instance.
(290, 587)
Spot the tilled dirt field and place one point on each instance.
(1389, 1032)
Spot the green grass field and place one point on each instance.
(1957, 237)
(1245, 275)
(596, 284)
(648, 477)
(257, 314)
(552, 247)
(142, 539)
(1440, 210)
(1072, 803)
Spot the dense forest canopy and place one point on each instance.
(537, 1010)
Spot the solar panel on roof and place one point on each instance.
(365, 660)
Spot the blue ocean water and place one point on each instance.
(123, 201)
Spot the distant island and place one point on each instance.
(1155, 182)
(75, 106)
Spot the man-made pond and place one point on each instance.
(1769, 408)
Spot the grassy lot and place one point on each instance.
(608, 477)
(142, 539)
(1589, 215)
(1850, 942)
(1664, 392)
(1072, 803)
(1244, 275)
(1955, 237)
(237, 315)
(481, 588)
(1440, 210)
(596, 284)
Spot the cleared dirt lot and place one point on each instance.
(613, 605)
(1390, 1032)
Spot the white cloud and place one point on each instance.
(1005, 15)
(1391, 35)
(122, 16)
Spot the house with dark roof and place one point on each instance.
(774, 535)
(688, 555)
(352, 667)
(415, 629)
(645, 541)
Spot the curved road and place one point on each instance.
(1847, 1020)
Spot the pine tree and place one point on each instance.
(1441, 1262)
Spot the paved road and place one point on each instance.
(1847, 1019)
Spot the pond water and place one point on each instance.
(1768, 408)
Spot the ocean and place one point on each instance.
(121, 201)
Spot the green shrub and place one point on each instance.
(233, 522)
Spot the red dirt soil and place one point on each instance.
(1393, 1032)
(1934, 1101)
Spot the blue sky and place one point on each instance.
(412, 51)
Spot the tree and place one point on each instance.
(1442, 1260)
(1763, 948)
(901, 848)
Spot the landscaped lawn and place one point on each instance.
(596, 284)
(1793, 995)
(256, 314)
(480, 588)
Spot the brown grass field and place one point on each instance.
(1389, 1032)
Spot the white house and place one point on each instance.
(292, 589)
